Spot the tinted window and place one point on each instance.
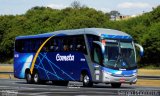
(61, 44)
(90, 39)
(96, 54)
(28, 45)
(80, 44)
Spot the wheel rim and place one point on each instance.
(28, 77)
(35, 78)
(86, 79)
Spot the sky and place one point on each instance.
(125, 7)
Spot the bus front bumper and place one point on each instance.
(110, 78)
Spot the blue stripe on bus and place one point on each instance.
(120, 72)
(105, 36)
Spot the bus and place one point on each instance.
(88, 55)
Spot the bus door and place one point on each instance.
(97, 58)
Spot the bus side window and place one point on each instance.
(33, 45)
(90, 39)
(26, 46)
(53, 45)
(96, 54)
(65, 48)
(19, 46)
(80, 44)
(70, 43)
(65, 45)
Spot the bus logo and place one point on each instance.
(64, 57)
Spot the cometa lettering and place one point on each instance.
(64, 58)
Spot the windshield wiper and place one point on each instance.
(116, 63)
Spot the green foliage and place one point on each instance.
(41, 19)
(151, 44)
(144, 29)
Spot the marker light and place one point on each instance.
(104, 42)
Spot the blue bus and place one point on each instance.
(88, 55)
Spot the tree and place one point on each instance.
(151, 44)
(76, 4)
(144, 29)
(114, 14)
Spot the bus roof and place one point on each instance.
(94, 31)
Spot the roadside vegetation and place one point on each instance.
(145, 29)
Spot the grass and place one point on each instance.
(152, 83)
(150, 72)
(6, 68)
(7, 76)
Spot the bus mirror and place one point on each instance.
(141, 49)
(101, 45)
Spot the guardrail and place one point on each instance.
(149, 77)
(6, 72)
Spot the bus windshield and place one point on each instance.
(120, 56)
(127, 54)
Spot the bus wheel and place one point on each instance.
(86, 81)
(36, 78)
(116, 85)
(28, 77)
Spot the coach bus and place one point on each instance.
(88, 55)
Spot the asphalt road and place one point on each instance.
(20, 88)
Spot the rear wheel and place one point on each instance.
(116, 85)
(36, 79)
(28, 77)
(86, 81)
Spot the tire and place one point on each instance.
(60, 83)
(36, 79)
(86, 80)
(116, 85)
(28, 77)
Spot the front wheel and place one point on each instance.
(116, 85)
(86, 81)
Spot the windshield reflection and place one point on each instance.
(120, 55)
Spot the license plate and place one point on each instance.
(122, 79)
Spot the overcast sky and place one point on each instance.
(125, 7)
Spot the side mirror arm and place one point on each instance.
(141, 49)
(100, 44)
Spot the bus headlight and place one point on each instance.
(134, 74)
(108, 73)
(106, 76)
